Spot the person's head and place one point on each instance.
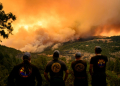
(98, 50)
(56, 54)
(78, 55)
(27, 56)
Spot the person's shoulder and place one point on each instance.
(33, 66)
(50, 62)
(73, 62)
(104, 56)
(61, 61)
(84, 61)
(18, 65)
(93, 57)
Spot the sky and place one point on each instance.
(42, 23)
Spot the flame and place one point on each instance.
(111, 33)
(42, 23)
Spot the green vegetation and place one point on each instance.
(7, 63)
(110, 46)
(9, 57)
(9, 51)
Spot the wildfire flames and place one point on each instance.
(42, 23)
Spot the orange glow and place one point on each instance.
(41, 23)
(111, 33)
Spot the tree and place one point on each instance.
(110, 65)
(117, 65)
(5, 22)
(1, 56)
(63, 59)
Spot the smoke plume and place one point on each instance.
(42, 23)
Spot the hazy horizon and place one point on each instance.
(41, 23)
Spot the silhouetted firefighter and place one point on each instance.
(56, 68)
(79, 67)
(25, 73)
(98, 67)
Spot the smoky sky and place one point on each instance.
(42, 23)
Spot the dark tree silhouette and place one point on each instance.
(5, 22)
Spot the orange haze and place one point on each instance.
(41, 23)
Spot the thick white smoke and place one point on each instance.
(41, 23)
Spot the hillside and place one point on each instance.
(8, 50)
(9, 57)
(110, 47)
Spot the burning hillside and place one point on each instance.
(42, 23)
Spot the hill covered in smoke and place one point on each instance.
(41, 24)
(110, 47)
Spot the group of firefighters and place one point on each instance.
(26, 74)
